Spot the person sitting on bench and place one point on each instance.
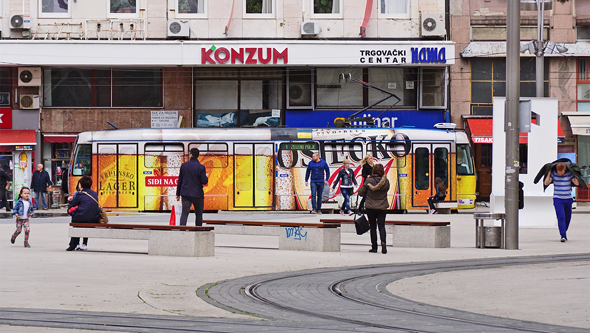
(441, 193)
(87, 211)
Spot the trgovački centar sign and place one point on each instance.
(244, 55)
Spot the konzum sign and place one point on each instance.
(244, 55)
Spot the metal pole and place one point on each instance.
(512, 101)
(539, 63)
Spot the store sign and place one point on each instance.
(23, 147)
(244, 55)
(482, 140)
(164, 119)
(387, 119)
(429, 55)
(5, 118)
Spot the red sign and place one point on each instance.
(482, 140)
(5, 118)
(248, 55)
(161, 181)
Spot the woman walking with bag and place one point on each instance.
(87, 211)
(375, 190)
(346, 179)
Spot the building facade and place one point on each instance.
(73, 66)
(478, 27)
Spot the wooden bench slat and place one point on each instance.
(140, 226)
(424, 223)
(331, 224)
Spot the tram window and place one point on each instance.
(243, 158)
(421, 168)
(211, 155)
(263, 167)
(464, 160)
(441, 164)
(337, 151)
(163, 155)
(83, 161)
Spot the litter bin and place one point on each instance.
(55, 198)
(489, 237)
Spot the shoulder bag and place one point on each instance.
(103, 218)
(360, 223)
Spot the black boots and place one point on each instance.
(383, 248)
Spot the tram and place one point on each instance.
(264, 168)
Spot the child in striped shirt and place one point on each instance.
(562, 196)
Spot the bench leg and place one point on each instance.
(181, 243)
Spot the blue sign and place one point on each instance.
(387, 119)
(403, 174)
(428, 55)
(147, 172)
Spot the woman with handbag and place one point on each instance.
(84, 208)
(366, 171)
(375, 190)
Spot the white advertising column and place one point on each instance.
(538, 209)
(22, 172)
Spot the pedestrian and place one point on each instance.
(440, 195)
(4, 186)
(23, 209)
(39, 185)
(191, 179)
(83, 206)
(375, 190)
(562, 180)
(346, 179)
(367, 170)
(316, 170)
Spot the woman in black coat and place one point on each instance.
(84, 208)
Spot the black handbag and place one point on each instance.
(360, 223)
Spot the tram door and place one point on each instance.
(429, 161)
(253, 175)
(117, 175)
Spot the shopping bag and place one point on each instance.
(361, 224)
(326, 193)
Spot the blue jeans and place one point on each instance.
(317, 188)
(346, 193)
(563, 210)
(38, 200)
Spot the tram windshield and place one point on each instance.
(83, 161)
(464, 160)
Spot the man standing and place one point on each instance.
(316, 168)
(4, 186)
(39, 184)
(562, 196)
(190, 187)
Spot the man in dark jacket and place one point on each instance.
(4, 186)
(316, 169)
(39, 184)
(87, 211)
(191, 179)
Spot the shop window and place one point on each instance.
(398, 81)
(488, 79)
(191, 6)
(123, 6)
(4, 87)
(300, 88)
(327, 6)
(54, 8)
(259, 6)
(486, 155)
(433, 88)
(78, 87)
(333, 92)
(583, 82)
(393, 7)
(137, 88)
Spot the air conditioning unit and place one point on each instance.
(433, 25)
(299, 95)
(29, 102)
(178, 29)
(29, 76)
(310, 28)
(20, 22)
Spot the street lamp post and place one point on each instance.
(540, 51)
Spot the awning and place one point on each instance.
(498, 50)
(579, 122)
(59, 138)
(18, 138)
(482, 131)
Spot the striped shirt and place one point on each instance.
(562, 188)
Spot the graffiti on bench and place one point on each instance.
(296, 233)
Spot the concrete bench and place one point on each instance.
(423, 234)
(320, 237)
(445, 207)
(163, 240)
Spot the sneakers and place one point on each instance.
(341, 212)
(313, 212)
(27, 245)
(319, 212)
(433, 211)
(351, 213)
(563, 239)
(82, 247)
